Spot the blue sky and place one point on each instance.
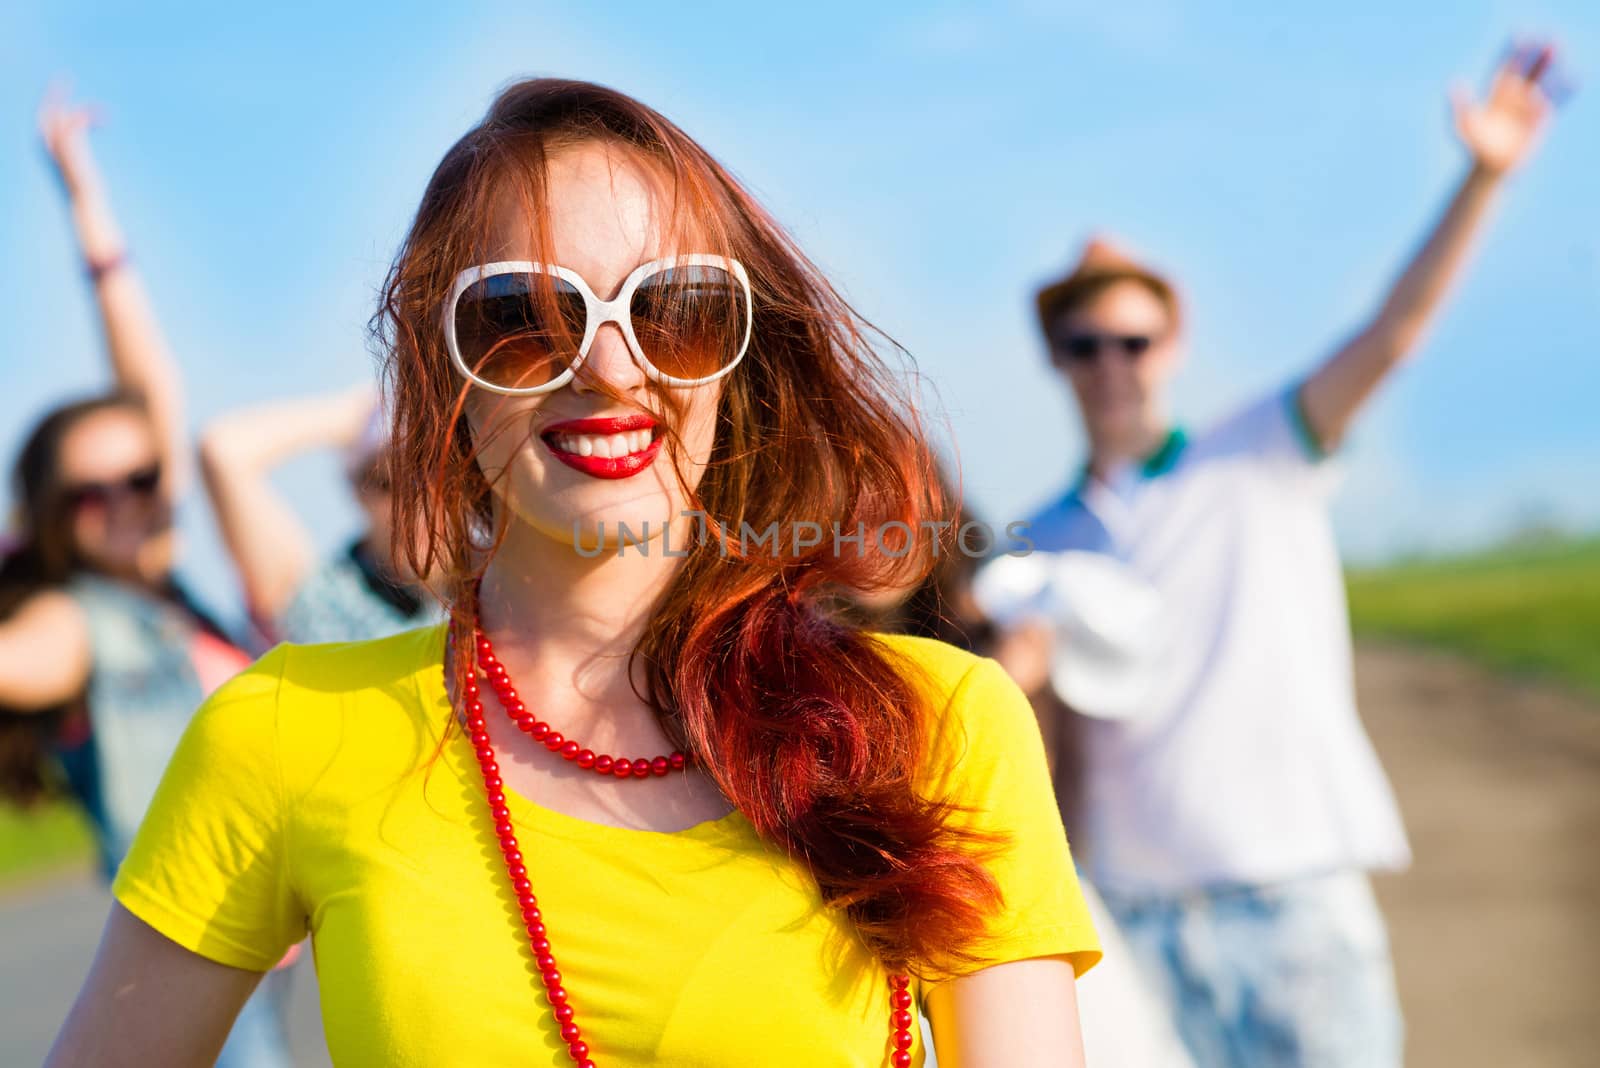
(938, 160)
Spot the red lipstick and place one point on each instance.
(603, 466)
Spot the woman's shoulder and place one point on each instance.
(310, 690)
(978, 717)
(938, 662)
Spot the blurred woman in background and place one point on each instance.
(366, 591)
(98, 633)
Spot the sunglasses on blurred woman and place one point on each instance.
(140, 485)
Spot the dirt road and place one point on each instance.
(1496, 928)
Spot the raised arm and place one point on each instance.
(269, 545)
(1498, 133)
(140, 359)
(149, 1001)
(44, 653)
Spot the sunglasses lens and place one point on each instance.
(145, 482)
(691, 321)
(1083, 347)
(519, 331)
(1136, 345)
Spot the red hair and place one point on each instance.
(805, 724)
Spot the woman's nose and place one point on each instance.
(609, 361)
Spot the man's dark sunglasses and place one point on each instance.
(1086, 348)
(142, 483)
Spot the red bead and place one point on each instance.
(551, 976)
(578, 1050)
(587, 1064)
(902, 1039)
(540, 729)
(489, 767)
(522, 887)
(569, 751)
(554, 741)
(541, 945)
(493, 668)
(900, 999)
(563, 1013)
(901, 1059)
(602, 764)
(677, 760)
(525, 723)
(622, 769)
(660, 766)
(899, 982)
(517, 871)
(901, 1019)
(641, 768)
(500, 812)
(557, 995)
(570, 1032)
(492, 782)
(545, 962)
(516, 709)
(496, 798)
(586, 758)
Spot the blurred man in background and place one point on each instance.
(1230, 824)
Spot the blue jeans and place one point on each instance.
(1291, 975)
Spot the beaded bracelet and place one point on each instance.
(98, 269)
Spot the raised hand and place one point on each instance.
(1501, 130)
(64, 127)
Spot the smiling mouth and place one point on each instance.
(605, 448)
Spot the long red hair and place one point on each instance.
(806, 725)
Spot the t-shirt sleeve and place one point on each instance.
(987, 757)
(1273, 431)
(209, 867)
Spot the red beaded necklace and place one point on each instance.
(900, 1017)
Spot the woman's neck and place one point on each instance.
(565, 624)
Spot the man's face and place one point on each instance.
(1118, 350)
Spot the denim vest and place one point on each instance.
(142, 690)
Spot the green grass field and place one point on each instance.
(40, 838)
(1532, 610)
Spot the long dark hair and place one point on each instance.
(42, 557)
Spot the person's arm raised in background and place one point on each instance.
(269, 545)
(141, 362)
(1499, 133)
(44, 644)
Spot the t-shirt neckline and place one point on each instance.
(463, 763)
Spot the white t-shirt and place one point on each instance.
(1250, 764)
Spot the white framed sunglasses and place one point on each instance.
(523, 328)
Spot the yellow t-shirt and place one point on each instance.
(306, 796)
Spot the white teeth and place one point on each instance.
(608, 446)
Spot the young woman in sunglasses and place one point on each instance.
(103, 656)
(641, 805)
